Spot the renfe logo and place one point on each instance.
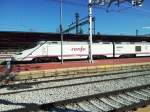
(81, 49)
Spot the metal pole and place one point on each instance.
(137, 32)
(94, 25)
(77, 23)
(90, 30)
(61, 31)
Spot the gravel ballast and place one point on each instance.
(50, 95)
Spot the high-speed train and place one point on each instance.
(51, 50)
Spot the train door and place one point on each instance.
(45, 50)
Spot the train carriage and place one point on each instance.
(132, 49)
(51, 50)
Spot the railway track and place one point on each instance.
(116, 101)
(68, 82)
(47, 92)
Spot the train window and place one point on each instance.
(117, 42)
(54, 42)
(106, 42)
(119, 46)
(137, 48)
(132, 42)
(18, 53)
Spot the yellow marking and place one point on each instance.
(79, 70)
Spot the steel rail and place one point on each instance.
(69, 77)
(74, 84)
(52, 105)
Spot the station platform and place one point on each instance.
(75, 67)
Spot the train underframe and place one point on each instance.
(95, 57)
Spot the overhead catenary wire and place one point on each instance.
(69, 2)
(79, 4)
(142, 9)
(139, 13)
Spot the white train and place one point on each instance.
(51, 50)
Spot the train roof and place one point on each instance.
(10, 39)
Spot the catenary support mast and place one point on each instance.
(61, 31)
(90, 30)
